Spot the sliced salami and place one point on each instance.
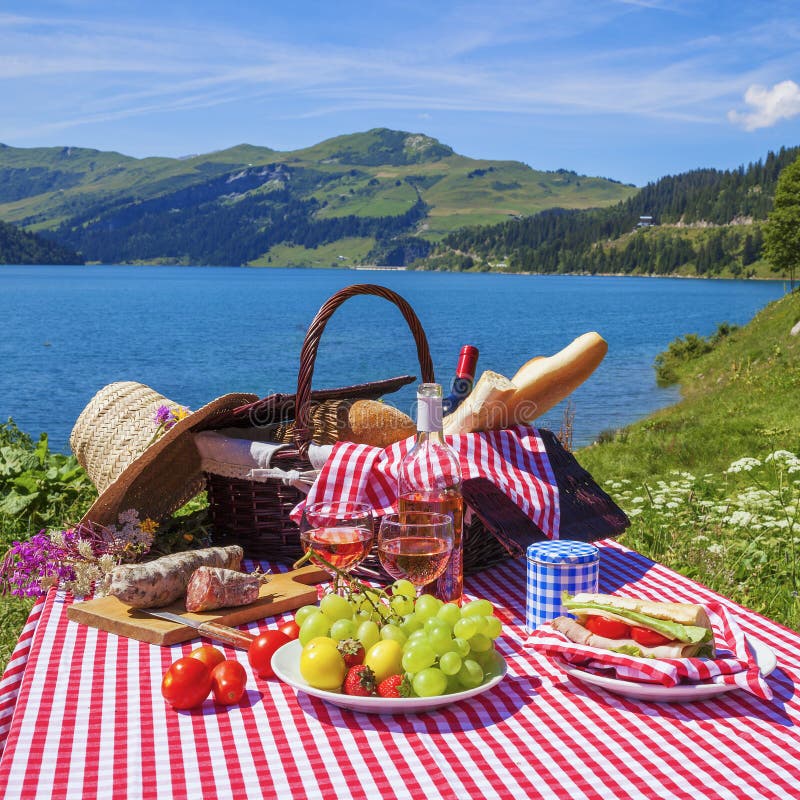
(164, 580)
(215, 587)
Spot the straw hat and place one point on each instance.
(132, 460)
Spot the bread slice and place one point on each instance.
(684, 613)
(485, 408)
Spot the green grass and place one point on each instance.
(741, 400)
(342, 253)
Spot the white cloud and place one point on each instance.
(768, 106)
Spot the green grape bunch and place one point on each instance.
(446, 648)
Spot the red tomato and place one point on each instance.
(648, 638)
(186, 683)
(228, 681)
(291, 629)
(610, 628)
(260, 653)
(209, 655)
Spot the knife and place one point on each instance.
(211, 630)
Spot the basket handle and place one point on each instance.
(308, 355)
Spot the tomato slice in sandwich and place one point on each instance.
(609, 628)
(648, 638)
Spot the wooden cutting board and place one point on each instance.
(283, 591)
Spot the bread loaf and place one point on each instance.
(375, 423)
(484, 408)
(544, 382)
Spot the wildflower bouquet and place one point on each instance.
(76, 559)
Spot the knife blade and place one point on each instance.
(211, 630)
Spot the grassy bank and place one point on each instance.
(699, 479)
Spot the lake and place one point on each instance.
(194, 333)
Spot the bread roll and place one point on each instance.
(544, 382)
(484, 408)
(375, 423)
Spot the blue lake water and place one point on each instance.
(194, 333)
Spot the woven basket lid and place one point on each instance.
(116, 440)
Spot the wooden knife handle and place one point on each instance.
(223, 633)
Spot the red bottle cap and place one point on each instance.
(467, 361)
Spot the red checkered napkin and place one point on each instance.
(514, 460)
(734, 663)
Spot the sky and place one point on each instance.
(626, 89)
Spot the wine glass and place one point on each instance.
(340, 532)
(415, 545)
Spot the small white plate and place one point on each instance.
(765, 658)
(286, 663)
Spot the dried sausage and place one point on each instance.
(215, 587)
(164, 580)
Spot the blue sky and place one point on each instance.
(627, 89)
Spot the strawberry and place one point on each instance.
(359, 681)
(395, 686)
(352, 652)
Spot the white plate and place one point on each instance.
(765, 658)
(286, 663)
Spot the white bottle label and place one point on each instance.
(429, 414)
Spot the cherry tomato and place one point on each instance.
(648, 638)
(291, 629)
(228, 680)
(610, 628)
(260, 653)
(186, 683)
(209, 655)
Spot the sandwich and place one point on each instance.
(637, 627)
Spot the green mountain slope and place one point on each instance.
(20, 247)
(237, 205)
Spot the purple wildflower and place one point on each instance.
(162, 416)
(28, 562)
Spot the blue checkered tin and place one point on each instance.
(555, 568)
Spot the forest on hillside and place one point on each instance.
(709, 218)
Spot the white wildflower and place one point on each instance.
(784, 456)
(745, 464)
(106, 563)
(715, 549)
(740, 518)
(672, 504)
(634, 512)
(84, 548)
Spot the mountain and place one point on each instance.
(381, 196)
(703, 222)
(20, 247)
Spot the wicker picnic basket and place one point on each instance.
(254, 513)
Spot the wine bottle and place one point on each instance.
(463, 379)
(430, 480)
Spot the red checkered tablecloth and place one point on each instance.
(81, 715)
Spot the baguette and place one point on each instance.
(545, 382)
(485, 406)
